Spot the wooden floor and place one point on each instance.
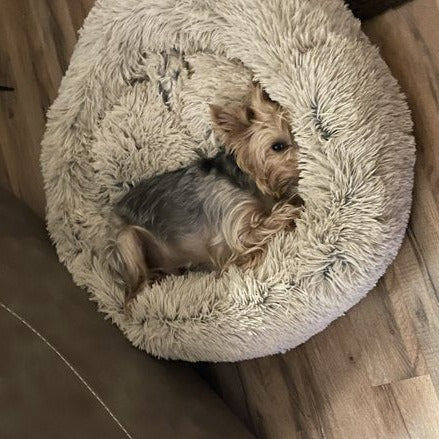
(373, 373)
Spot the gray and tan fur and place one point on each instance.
(219, 210)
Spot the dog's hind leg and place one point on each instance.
(139, 254)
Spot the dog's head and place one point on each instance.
(260, 138)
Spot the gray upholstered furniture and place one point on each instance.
(67, 373)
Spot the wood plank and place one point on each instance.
(38, 38)
(418, 405)
(386, 332)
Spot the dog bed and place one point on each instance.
(134, 103)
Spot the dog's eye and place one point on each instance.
(279, 146)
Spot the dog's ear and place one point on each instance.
(229, 122)
(261, 105)
(258, 96)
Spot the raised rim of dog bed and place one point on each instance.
(134, 102)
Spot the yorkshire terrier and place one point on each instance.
(219, 210)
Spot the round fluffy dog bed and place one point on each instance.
(134, 103)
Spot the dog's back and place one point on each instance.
(167, 205)
(178, 219)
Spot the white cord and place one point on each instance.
(67, 363)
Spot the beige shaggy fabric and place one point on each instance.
(134, 103)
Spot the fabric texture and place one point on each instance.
(134, 103)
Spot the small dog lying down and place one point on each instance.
(219, 210)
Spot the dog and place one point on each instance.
(217, 211)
